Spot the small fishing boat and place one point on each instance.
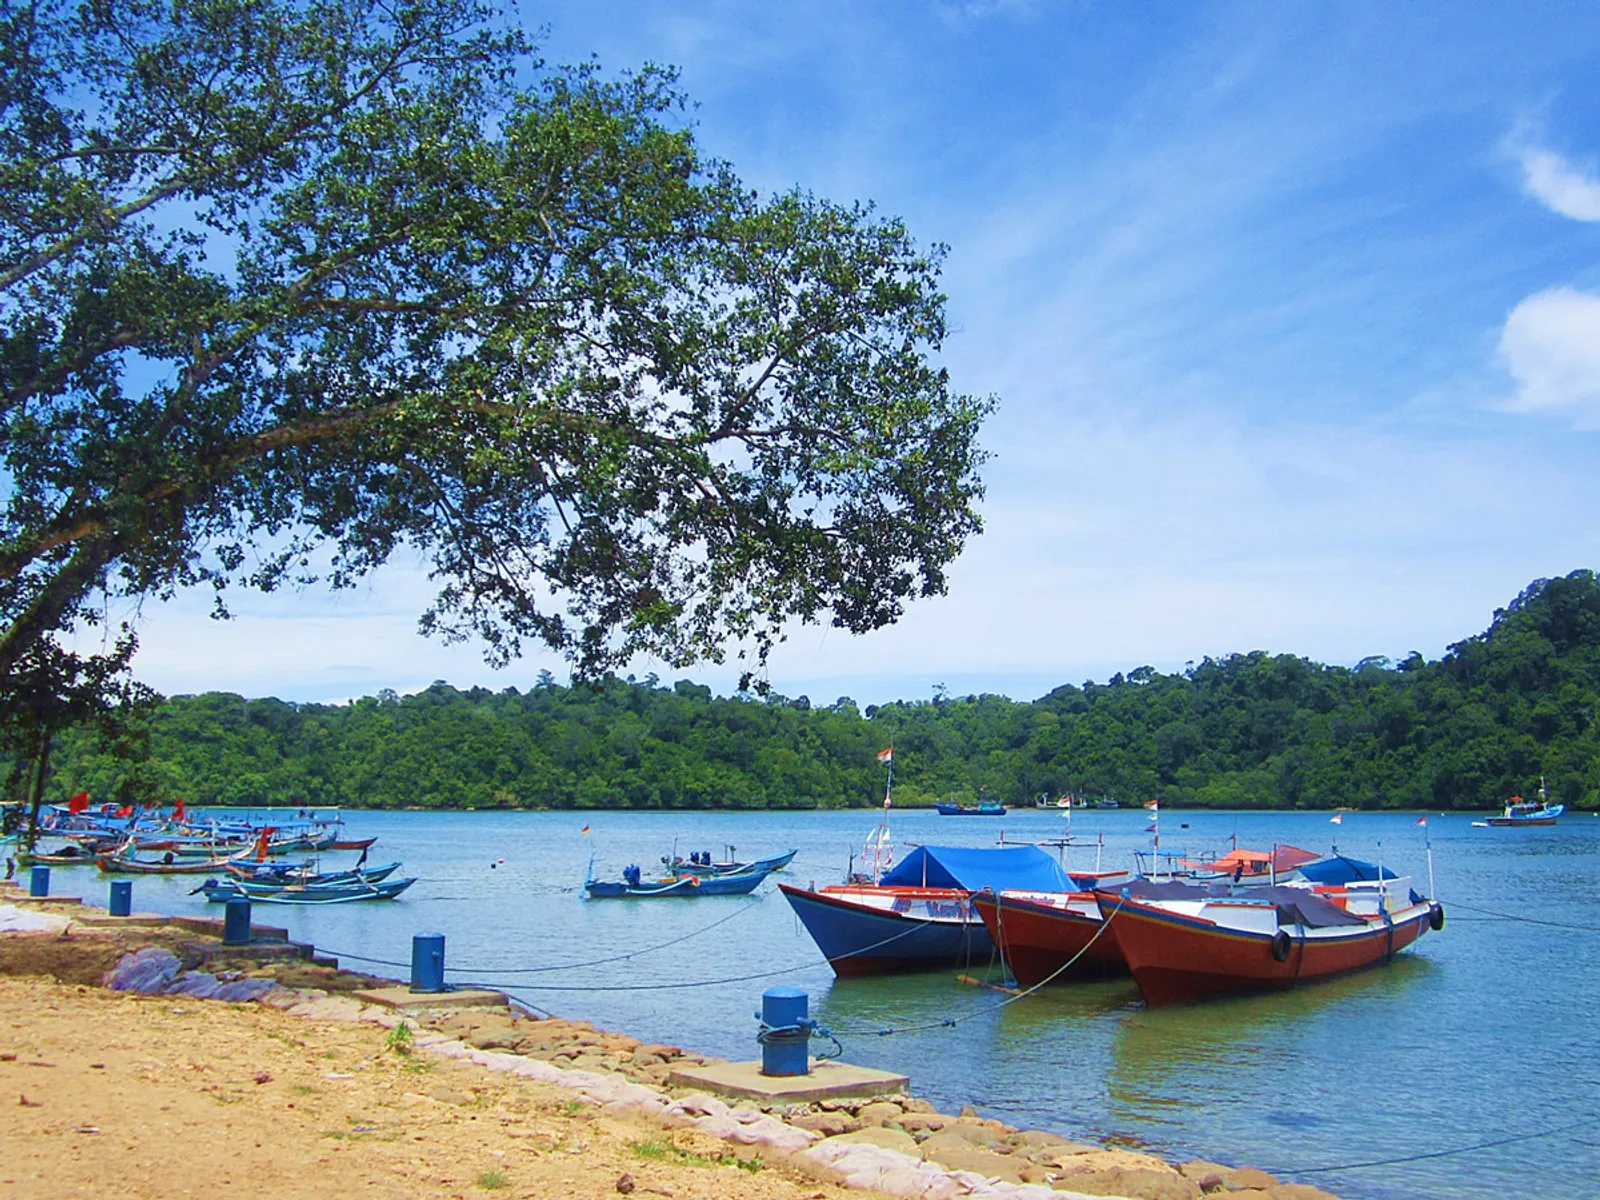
(634, 886)
(1528, 812)
(68, 856)
(219, 891)
(168, 864)
(1048, 936)
(987, 808)
(699, 862)
(302, 873)
(1185, 942)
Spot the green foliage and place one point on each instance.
(1486, 721)
(288, 282)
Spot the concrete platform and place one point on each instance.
(24, 898)
(104, 920)
(403, 998)
(827, 1081)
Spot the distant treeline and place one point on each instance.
(1499, 710)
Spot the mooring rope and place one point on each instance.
(1495, 915)
(1390, 1162)
(950, 1022)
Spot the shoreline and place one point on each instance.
(899, 1145)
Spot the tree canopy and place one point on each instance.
(286, 285)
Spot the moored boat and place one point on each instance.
(1186, 942)
(1048, 936)
(918, 915)
(986, 809)
(219, 891)
(634, 886)
(1528, 812)
(700, 863)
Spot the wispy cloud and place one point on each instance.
(1551, 345)
(1559, 184)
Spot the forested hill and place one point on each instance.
(1252, 730)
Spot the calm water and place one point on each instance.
(1486, 1031)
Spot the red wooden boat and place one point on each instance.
(1049, 936)
(1186, 942)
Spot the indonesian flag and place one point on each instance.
(78, 803)
(886, 756)
(1153, 805)
(125, 811)
(178, 812)
(1422, 820)
(1337, 819)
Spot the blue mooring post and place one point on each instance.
(785, 1032)
(427, 962)
(39, 882)
(236, 922)
(121, 897)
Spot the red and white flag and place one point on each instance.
(886, 756)
(1153, 805)
(1337, 819)
(1422, 820)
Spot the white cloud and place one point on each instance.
(1551, 344)
(1560, 185)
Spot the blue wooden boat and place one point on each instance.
(987, 809)
(220, 891)
(699, 863)
(634, 886)
(283, 874)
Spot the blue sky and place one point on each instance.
(1293, 312)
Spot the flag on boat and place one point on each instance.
(178, 811)
(1422, 820)
(885, 756)
(1153, 805)
(78, 802)
(1337, 819)
(585, 829)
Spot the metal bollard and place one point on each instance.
(236, 922)
(427, 962)
(39, 882)
(121, 897)
(785, 1032)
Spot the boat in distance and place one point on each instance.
(1186, 942)
(1527, 812)
(986, 809)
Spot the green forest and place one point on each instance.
(1498, 711)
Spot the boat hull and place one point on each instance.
(938, 928)
(1175, 958)
(1045, 939)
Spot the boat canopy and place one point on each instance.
(972, 868)
(1258, 862)
(1337, 869)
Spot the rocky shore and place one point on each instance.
(656, 1130)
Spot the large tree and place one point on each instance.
(296, 281)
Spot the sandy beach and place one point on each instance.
(310, 1092)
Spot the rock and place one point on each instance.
(1132, 1183)
(642, 1058)
(881, 1112)
(1298, 1191)
(1200, 1168)
(967, 1111)
(1240, 1178)
(918, 1122)
(913, 1105)
(828, 1124)
(493, 1037)
(885, 1139)
(955, 1153)
(974, 1133)
(625, 1183)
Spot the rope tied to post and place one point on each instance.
(802, 1030)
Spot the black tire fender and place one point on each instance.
(1436, 917)
(1280, 946)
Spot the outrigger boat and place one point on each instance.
(988, 808)
(699, 863)
(634, 886)
(219, 891)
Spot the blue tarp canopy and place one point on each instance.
(1026, 867)
(1338, 869)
